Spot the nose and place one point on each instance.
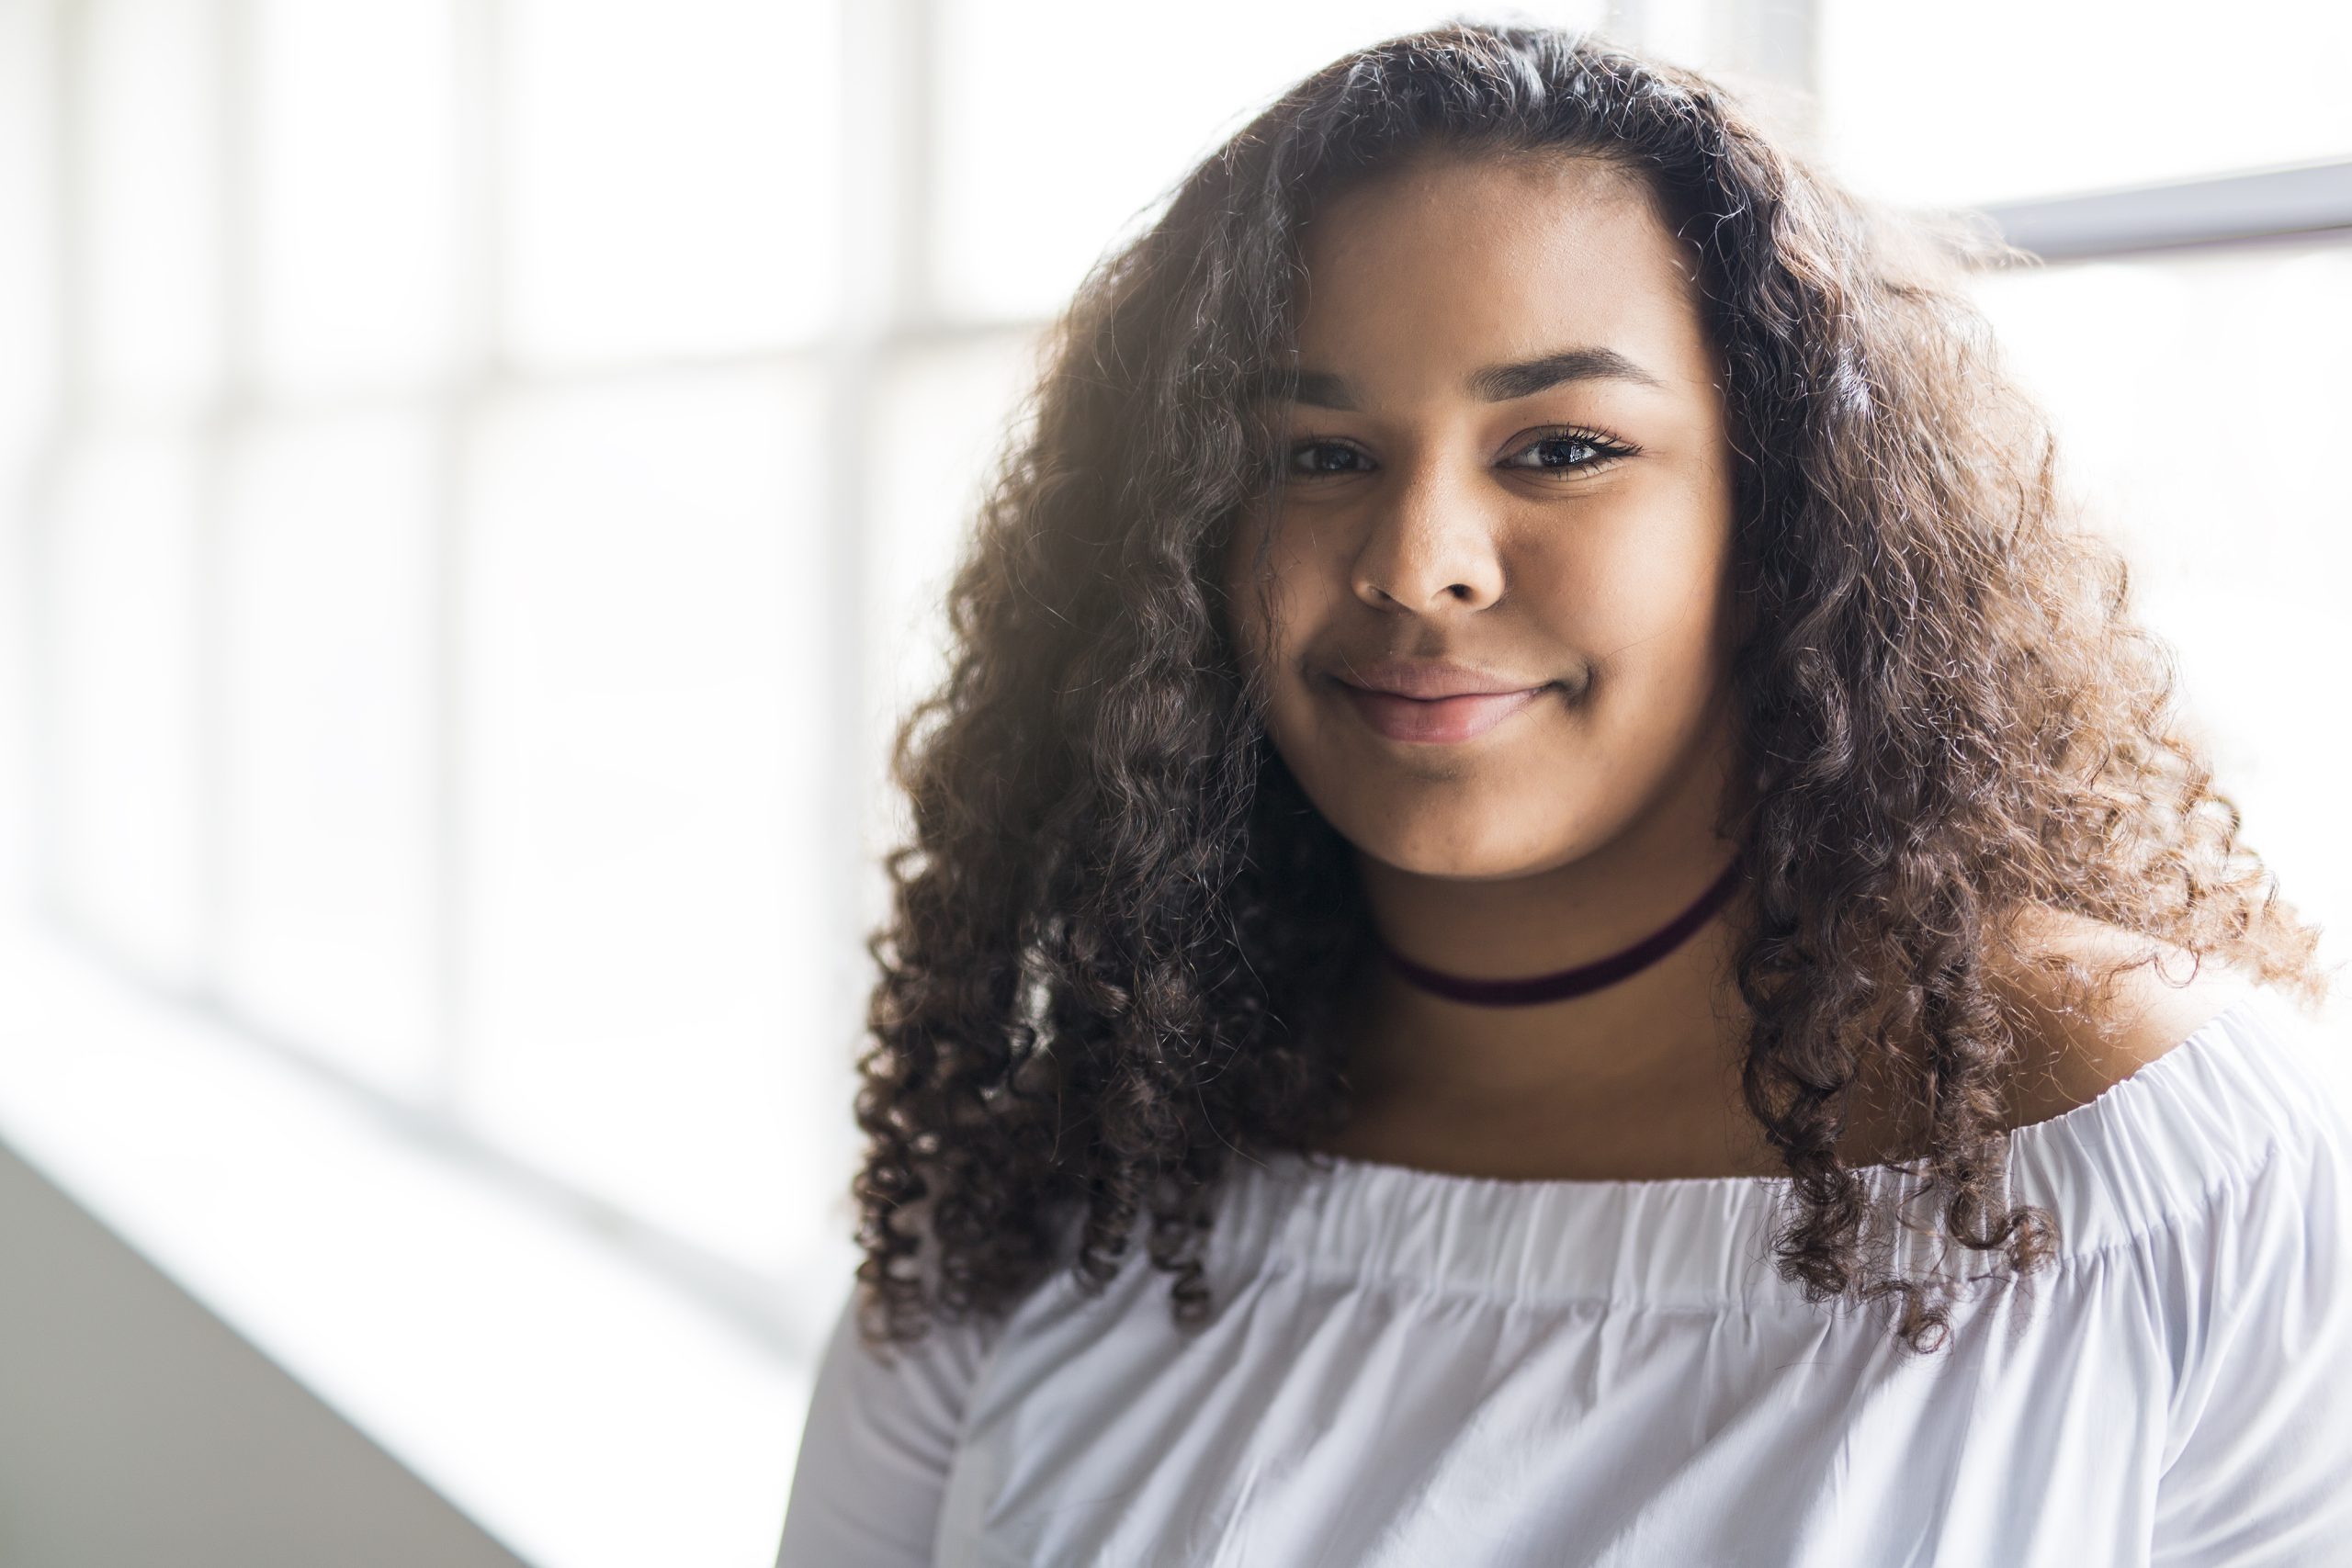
(1429, 544)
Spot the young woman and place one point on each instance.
(1557, 917)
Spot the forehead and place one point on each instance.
(1452, 260)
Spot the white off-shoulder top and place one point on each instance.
(1406, 1369)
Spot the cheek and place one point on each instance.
(1272, 615)
(1634, 600)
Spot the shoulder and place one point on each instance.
(2250, 1290)
(877, 1442)
(2092, 1004)
(2153, 1099)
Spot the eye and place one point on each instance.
(1319, 455)
(1571, 452)
(1555, 452)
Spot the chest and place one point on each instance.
(1694, 1131)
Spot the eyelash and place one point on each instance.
(1607, 449)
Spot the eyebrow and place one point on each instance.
(1495, 384)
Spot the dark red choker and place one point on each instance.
(1584, 977)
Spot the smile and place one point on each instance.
(1436, 720)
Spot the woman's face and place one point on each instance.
(1502, 561)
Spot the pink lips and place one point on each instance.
(1436, 719)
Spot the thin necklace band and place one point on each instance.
(1582, 978)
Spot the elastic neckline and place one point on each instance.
(2148, 1145)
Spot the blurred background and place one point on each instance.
(477, 477)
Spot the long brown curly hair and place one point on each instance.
(1119, 924)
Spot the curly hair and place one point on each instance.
(1119, 927)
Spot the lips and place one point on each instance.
(1426, 678)
(1435, 721)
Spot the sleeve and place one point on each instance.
(876, 1446)
(2258, 1460)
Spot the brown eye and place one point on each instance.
(1570, 452)
(1323, 457)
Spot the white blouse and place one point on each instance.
(1406, 1368)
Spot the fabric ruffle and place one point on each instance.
(2150, 1148)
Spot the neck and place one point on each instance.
(1578, 979)
(1665, 1027)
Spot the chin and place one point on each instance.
(1471, 846)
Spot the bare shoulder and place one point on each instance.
(2094, 1003)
